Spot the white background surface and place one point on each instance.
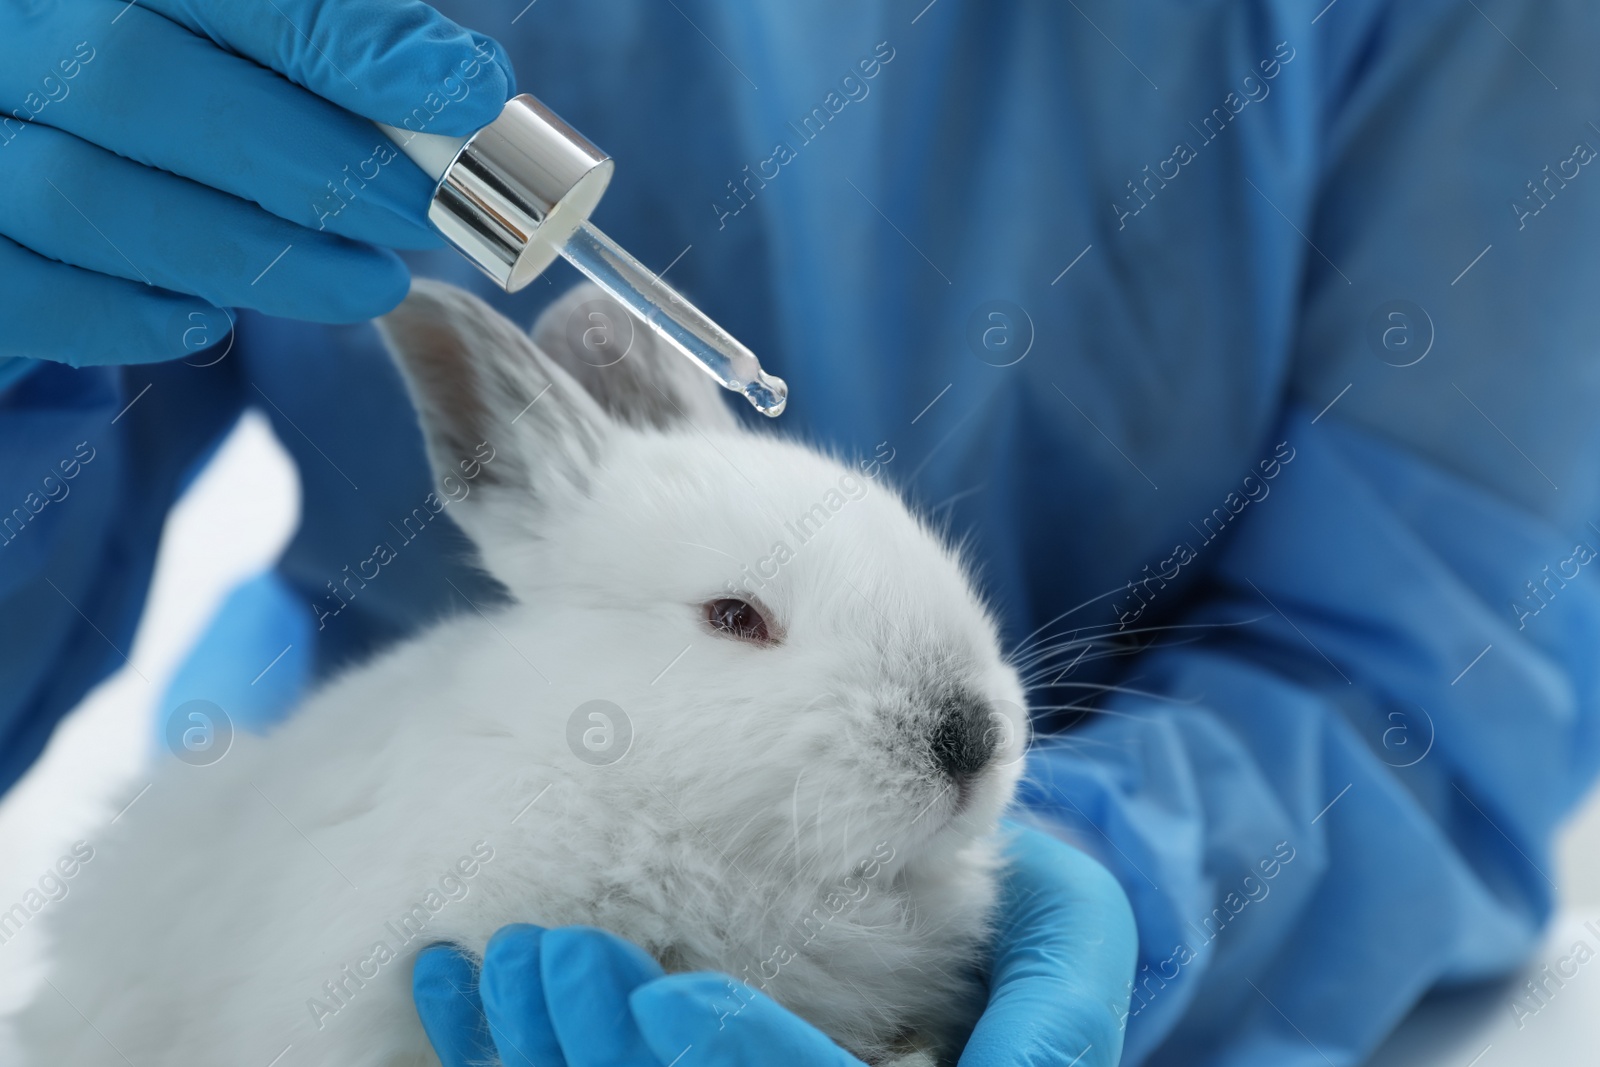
(235, 520)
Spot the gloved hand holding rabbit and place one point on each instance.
(1057, 985)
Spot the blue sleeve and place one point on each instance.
(94, 458)
(1336, 789)
(1334, 804)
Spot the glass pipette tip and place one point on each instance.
(682, 324)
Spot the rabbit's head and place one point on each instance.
(840, 695)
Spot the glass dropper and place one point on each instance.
(518, 193)
(682, 324)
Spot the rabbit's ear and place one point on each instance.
(498, 415)
(630, 371)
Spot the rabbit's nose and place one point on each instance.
(963, 740)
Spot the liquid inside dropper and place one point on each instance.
(685, 326)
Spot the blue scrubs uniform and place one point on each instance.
(1270, 323)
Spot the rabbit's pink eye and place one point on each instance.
(738, 619)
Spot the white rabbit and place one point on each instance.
(795, 775)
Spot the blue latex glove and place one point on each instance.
(575, 996)
(173, 157)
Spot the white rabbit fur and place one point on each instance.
(758, 783)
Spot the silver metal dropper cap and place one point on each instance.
(517, 189)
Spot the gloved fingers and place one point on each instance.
(710, 1020)
(1063, 957)
(153, 92)
(382, 59)
(69, 315)
(77, 203)
(513, 998)
(588, 975)
(445, 988)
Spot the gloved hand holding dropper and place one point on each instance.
(169, 158)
